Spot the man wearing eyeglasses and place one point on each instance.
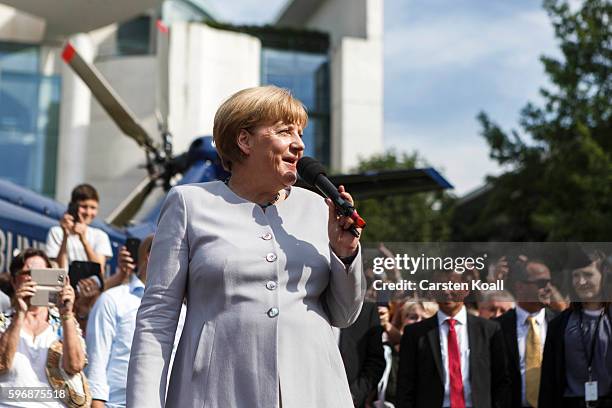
(525, 327)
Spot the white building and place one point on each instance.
(54, 135)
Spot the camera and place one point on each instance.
(49, 282)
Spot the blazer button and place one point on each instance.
(273, 312)
(271, 257)
(271, 285)
(267, 236)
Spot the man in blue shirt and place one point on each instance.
(110, 330)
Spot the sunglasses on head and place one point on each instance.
(540, 283)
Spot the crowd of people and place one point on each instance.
(238, 302)
(75, 351)
(532, 345)
(528, 346)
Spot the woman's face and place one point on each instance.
(587, 282)
(34, 262)
(274, 151)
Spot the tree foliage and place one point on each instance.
(560, 183)
(421, 217)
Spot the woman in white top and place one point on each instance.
(27, 333)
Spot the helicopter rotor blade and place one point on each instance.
(108, 98)
(162, 94)
(125, 211)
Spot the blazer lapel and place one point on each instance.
(512, 338)
(549, 315)
(474, 343)
(433, 336)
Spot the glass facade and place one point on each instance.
(134, 36)
(307, 76)
(185, 10)
(138, 35)
(29, 119)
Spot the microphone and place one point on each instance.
(313, 173)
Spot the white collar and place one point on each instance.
(135, 283)
(460, 317)
(522, 315)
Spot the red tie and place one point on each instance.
(454, 367)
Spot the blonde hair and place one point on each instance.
(251, 107)
(429, 309)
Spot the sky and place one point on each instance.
(444, 62)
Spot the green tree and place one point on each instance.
(422, 217)
(560, 183)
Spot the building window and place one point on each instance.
(134, 36)
(307, 76)
(185, 10)
(29, 118)
(138, 35)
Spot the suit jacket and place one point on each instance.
(421, 375)
(552, 379)
(262, 287)
(362, 353)
(508, 325)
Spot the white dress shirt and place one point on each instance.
(464, 350)
(110, 329)
(522, 328)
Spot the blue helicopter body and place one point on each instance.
(26, 216)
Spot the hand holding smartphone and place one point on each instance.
(73, 210)
(132, 245)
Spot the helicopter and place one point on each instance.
(26, 217)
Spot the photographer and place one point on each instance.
(75, 239)
(28, 332)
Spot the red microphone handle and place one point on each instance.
(359, 222)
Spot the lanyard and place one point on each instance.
(590, 355)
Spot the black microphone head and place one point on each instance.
(309, 168)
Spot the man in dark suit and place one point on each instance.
(453, 359)
(525, 328)
(362, 353)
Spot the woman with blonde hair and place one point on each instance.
(267, 269)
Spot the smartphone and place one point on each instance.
(383, 298)
(73, 209)
(132, 245)
(79, 270)
(49, 282)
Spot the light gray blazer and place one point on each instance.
(263, 290)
